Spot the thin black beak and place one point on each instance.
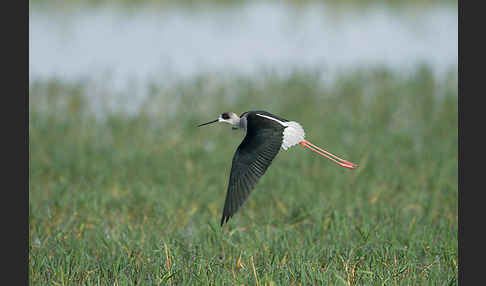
(208, 123)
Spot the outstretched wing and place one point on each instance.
(251, 160)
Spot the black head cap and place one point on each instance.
(225, 115)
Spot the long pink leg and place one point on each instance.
(324, 153)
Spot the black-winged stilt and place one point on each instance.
(266, 134)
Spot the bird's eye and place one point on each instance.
(225, 116)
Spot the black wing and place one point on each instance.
(251, 160)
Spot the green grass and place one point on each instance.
(136, 199)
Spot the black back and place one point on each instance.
(252, 158)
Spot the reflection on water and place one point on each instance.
(154, 44)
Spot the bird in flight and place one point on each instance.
(266, 134)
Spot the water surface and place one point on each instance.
(121, 45)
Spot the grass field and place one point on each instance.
(120, 198)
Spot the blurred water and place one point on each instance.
(162, 44)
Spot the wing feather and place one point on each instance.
(251, 160)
